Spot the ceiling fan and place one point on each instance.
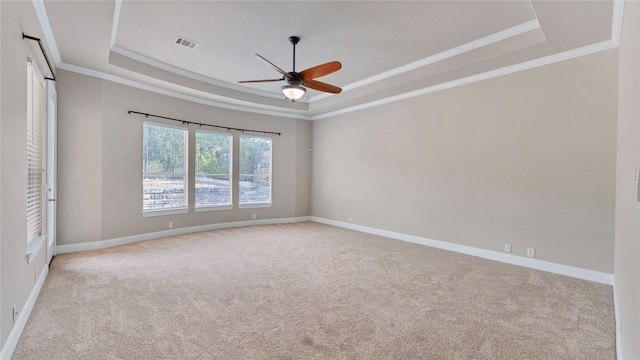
(293, 90)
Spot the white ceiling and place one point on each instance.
(389, 50)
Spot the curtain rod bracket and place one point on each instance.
(46, 58)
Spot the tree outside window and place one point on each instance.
(164, 167)
(255, 170)
(213, 169)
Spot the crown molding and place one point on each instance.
(547, 60)
(616, 23)
(618, 10)
(43, 18)
(139, 85)
(188, 74)
(116, 22)
(458, 50)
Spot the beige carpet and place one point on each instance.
(309, 291)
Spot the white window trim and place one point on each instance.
(166, 125)
(169, 211)
(213, 207)
(254, 205)
(34, 247)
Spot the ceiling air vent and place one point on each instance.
(186, 42)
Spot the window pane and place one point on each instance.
(255, 170)
(164, 167)
(213, 169)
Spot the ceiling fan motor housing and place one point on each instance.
(294, 78)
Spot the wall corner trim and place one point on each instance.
(560, 269)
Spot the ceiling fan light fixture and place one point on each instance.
(293, 91)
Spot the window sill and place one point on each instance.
(214, 208)
(34, 247)
(254, 205)
(160, 212)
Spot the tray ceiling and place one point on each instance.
(388, 49)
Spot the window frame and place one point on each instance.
(261, 204)
(214, 207)
(174, 209)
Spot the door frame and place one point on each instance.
(52, 159)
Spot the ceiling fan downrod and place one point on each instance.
(294, 40)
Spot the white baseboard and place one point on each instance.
(580, 273)
(555, 268)
(12, 341)
(561, 269)
(62, 249)
(618, 320)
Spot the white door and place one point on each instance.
(52, 156)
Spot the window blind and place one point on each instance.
(35, 152)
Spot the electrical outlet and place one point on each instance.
(507, 248)
(170, 224)
(15, 313)
(254, 216)
(531, 252)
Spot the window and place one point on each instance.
(213, 170)
(213, 183)
(35, 153)
(255, 171)
(164, 169)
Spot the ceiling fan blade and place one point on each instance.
(320, 86)
(321, 70)
(259, 81)
(273, 66)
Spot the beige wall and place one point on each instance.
(526, 159)
(79, 158)
(303, 168)
(100, 157)
(17, 278)
(627, 225)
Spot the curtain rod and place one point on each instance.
(202, 124)
(53, 76)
